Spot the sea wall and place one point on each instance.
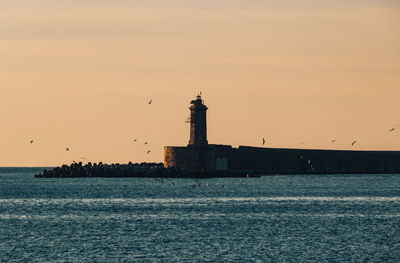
(193, 158)
(276, 160)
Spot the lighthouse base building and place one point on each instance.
(199, 156)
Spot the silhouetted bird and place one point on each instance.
(352, 144)
(145, 142)
(150, 102)
(334, 140)
(263, 141)
(392, 129)
(148, 152)
(135, 140)
(67, 149)
(31, 142)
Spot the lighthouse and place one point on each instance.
(198, 122)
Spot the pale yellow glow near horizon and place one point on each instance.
(299, 73)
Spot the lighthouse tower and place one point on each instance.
(198, 122)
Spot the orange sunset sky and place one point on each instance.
(300, 73)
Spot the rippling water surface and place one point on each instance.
(329, 218)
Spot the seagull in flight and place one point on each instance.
(145, 142)
(334, 140)
(352, 144)
(149, 102)
(31, 142)
(197, 184)
(263, 141)
(135, 140)
(392, 129)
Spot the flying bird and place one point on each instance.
(263, 141)
(352, 144)
(149, 102)
(135, 140)
(67, 149)
(31, 142)
(243, 183)
(148, 152)
(145, 142)
(83, 158)
(392, 129)
(159, 180)
(334, 140)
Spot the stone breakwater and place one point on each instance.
(108, 170)
(129, 170)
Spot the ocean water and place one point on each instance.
(308, 218)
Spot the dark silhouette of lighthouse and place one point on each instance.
(198, 122)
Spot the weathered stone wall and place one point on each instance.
(323, 161)
(181, 157)
(192, 158)
(196, 158)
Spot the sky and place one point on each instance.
(299, 73)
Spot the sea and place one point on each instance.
(282, 218)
